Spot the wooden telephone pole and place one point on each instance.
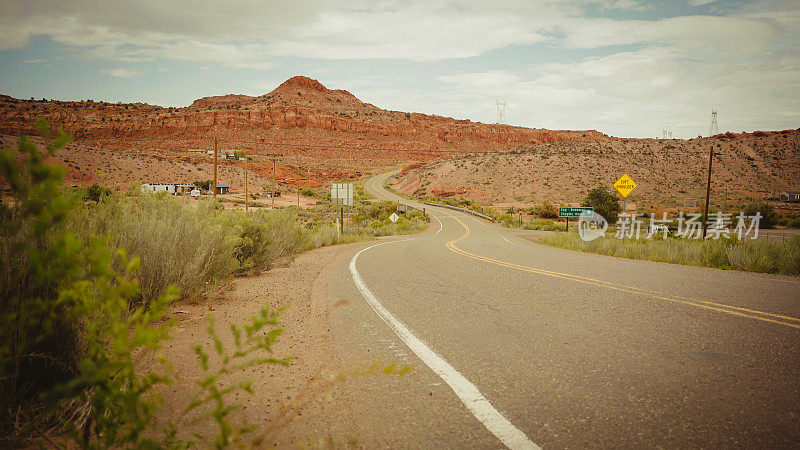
(274, 157)
(708, 190)
(214, 187)
(245, 184)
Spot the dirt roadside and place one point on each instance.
(297, 405)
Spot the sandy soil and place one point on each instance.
(291, 405)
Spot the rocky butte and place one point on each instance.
(301, 116)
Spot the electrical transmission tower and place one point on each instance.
(501, 110)
(713, 129)
(666, 133)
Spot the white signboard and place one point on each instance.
(394, 217)
(342, 194)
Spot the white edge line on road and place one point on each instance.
(476, 220)
(440, 224)
(480, 407)
(512, 243)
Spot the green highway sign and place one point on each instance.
(574, 211)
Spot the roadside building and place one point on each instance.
(184, 188)
(791, 197)
(152, 188)
(223, 188)
(172, 188)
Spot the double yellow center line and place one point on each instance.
(779, 319)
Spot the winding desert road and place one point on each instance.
(524, 345)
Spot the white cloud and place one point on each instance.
(701, 2)
(481, 80)
(672, 71)
(121, 73)
(419, 31)
(626, 5)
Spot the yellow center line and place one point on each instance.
(728, 309)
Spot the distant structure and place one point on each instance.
(501, 110)
(666, 133)
(792, 197)
(713, 129)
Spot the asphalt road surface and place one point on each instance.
(524, 345)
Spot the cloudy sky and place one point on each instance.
(624, 67)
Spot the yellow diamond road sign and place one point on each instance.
(625, 185)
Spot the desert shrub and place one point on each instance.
(769, 218)
(38, 341)
(265, 238)
(544, 225)
(605, 202)
(307, 192)
(509, 221)
(420, 192)
(192, 248)
(373, 219)
(68, 330)
(95, 192)
(204, 185)
(793, 223)
(546, 210)
(178, 245)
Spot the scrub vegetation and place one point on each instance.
(366, 219)
(86, 280)
(754, 256)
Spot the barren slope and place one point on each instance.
(669, 172)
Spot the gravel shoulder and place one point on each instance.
(290, 405)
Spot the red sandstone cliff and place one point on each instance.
(301, 110)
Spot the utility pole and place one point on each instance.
(214, 187)
(274, 157)
(245, 184)
(708, 186)
(624, 211)
(273, 182)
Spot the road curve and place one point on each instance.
(575, 349)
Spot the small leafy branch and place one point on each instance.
(123, 402)
(249, 348)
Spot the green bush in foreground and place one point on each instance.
(70, 325)
(754, 256)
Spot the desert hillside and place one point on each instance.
(670, 173)
(321, 133)
(89, 165)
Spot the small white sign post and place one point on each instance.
(394, 218)
(342, 195)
